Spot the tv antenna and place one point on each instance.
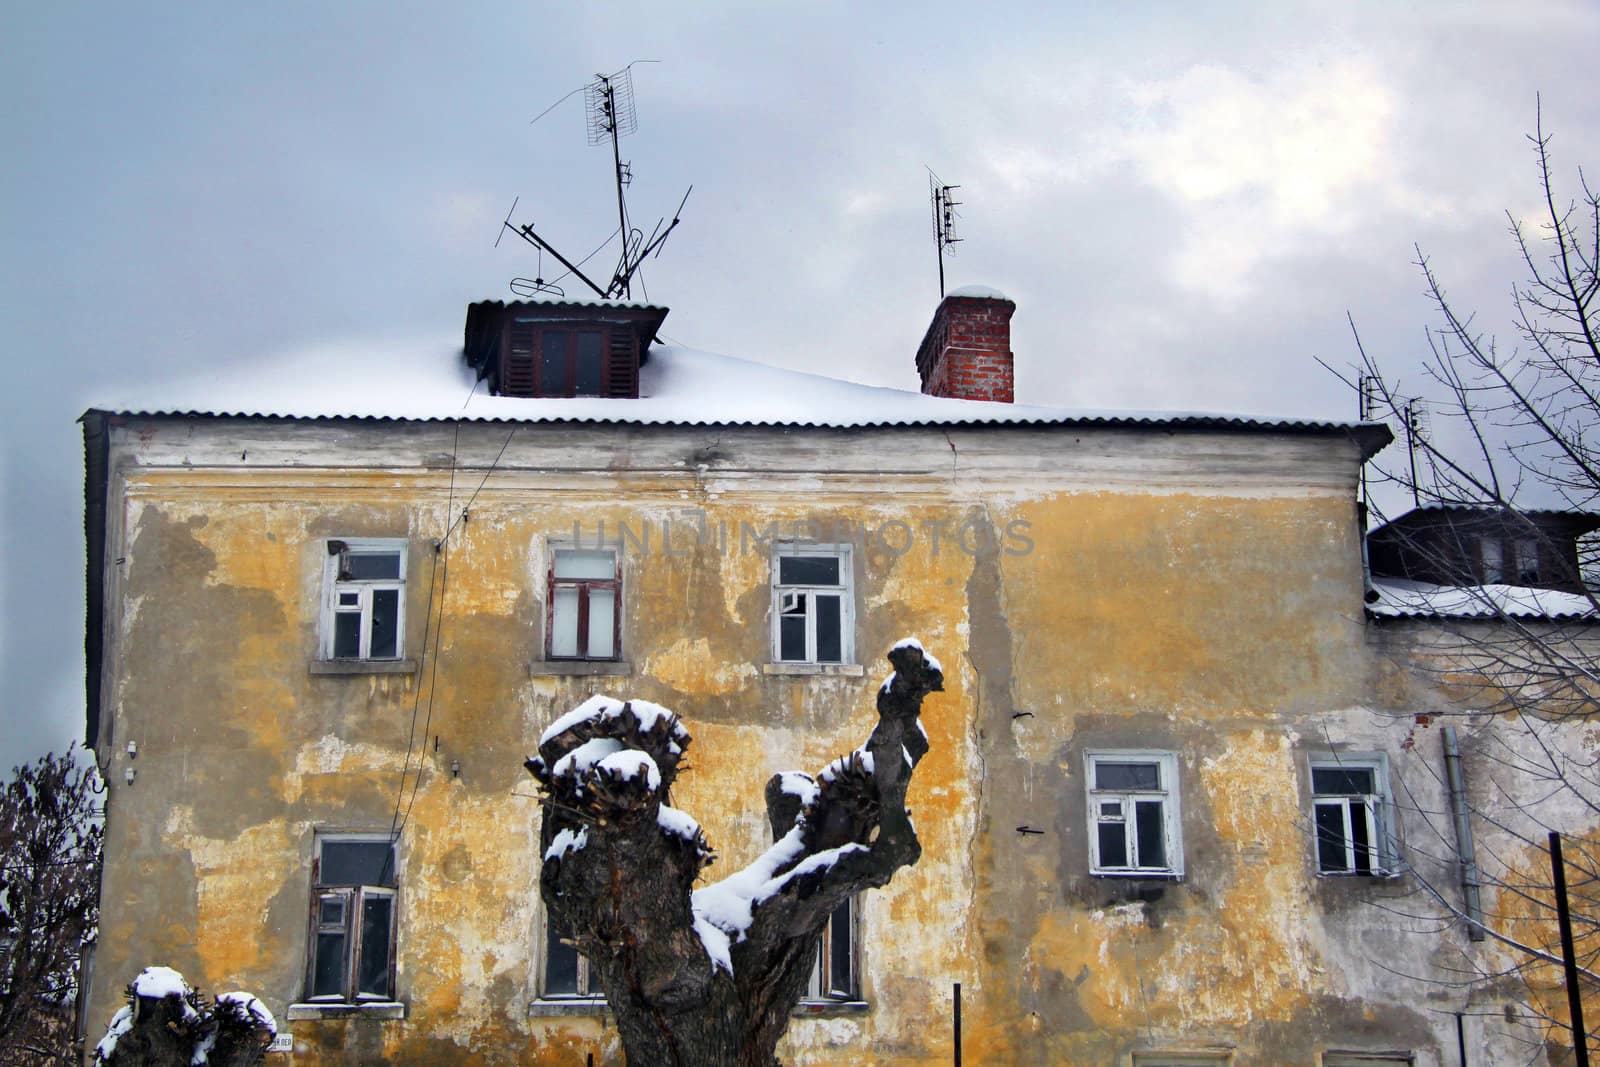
(609, 115)
(944, 219)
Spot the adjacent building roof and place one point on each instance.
(678, 387)
(1399, 598)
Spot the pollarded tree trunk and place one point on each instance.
(708, 978)
(168, 1024)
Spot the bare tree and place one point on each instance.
(168, 1024)
(50, 838)
(708, 978)
(1508, 429)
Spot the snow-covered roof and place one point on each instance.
(677, 387)
(1402, 598)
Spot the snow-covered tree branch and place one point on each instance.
(708, 977)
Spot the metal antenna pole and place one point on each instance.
(616, 160)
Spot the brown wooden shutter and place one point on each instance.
(622, 363)
(516, 378)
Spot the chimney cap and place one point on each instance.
(979, 292)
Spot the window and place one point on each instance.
(352, 919)
(1350, 807)
(1491, 559)
(363, 615)
(558, 361)
(1525, 557)
(835, 975)
(566, 971)
(1368, 1059)
(582, 618)
(813, 609)
(1180, 1059)
(1133, 814)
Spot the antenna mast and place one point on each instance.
(944, 219)
(609, 114)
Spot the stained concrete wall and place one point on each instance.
(1198, 593)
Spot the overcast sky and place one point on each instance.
(1184, 200)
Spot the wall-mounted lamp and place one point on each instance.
(129, 774)
(133, 749)
(455, 768)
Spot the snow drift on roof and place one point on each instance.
(1402, 598)
(678, 386)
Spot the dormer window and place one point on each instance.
(548, 360)
(561, 348)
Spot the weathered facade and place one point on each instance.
(1156, 653)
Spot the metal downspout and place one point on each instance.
(1466, 851)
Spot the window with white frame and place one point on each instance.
(585, 587)
(353, 883)
(835, 974)
(813, 604)
(566, 970)
(1351, 813)
(1134, 828)
(363, 612)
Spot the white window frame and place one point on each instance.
(824, 986)
(1377, 809)
(845, 591)
(588, 986)
(354, 898)
(1168, 793)
(362, 590)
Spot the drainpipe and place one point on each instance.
(1466, 852)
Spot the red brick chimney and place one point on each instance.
(966, 352)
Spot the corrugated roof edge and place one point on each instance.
(1385, 614)
(1372, 436)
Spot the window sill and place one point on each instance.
(372, 1009)
(815, 670)
(568, 1007)
(1141, 876)
(579, 667)
(363, 666)
(829, 1009)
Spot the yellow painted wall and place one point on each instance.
(1224, 626)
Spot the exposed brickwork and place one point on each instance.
(966, 352)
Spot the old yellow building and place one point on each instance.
(332, 609)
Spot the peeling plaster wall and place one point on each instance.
(1198, 593)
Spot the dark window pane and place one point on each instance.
(808, 570)
(1151, 833)
(1362, 838)
(588, 363)
(554, 378)
(346, 634)
(332, 911)
(792, 638)
(1330, 837)
(839, 946)
(1113, 844)
(830, 631)
(561, 964)
(1126, 775)
(327, 973)
(372, 566)
(385, 623)
(357, 863)
(373, 975)
(1341, 781)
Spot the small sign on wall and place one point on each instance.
(282, 1043)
